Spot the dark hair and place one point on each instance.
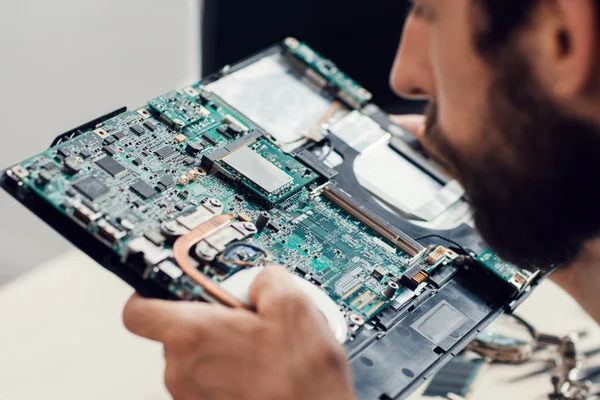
(497, 20)
(501, 19)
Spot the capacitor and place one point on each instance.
(262, 220)
(390, 290)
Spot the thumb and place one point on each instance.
(414, 123)
(274, 291)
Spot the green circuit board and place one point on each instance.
(325, 73)
(510, 273)
(128, 180)
(132, 173)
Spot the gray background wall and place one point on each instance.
(64, 62)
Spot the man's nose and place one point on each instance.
(411, 76)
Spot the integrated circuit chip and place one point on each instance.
(119, 135)
(111, 166)
(64, 152)
(164, 152)
(49, 166)
(257, 170)
(151, 127)
(165, 182)
(110, 150)
(137, 129)
(91, 187)
(109, 140)
(143, 190)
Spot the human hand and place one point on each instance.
(413, 123)
(283, 351)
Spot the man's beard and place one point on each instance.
(533, 179)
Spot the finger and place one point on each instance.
(156, 319)
(415, 124)
(274, 290)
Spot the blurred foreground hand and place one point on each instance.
(284, 351)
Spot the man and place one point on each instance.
(514, 87)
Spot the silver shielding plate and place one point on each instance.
(277, 100)
(359, 132)
(257, 170)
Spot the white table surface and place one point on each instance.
(61, 337)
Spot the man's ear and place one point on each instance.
(573, 47)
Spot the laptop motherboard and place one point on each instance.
(180, 196)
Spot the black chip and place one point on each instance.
(109, 140)
(189, 161)
(71, 193)
(91, 187)
(209, 140)
(145, 154)
(155, 237)
(44, 177)
(49, 166)
(143, 190)
(110, 165)
(85, 154)
(64, 152)
(223, 131)
(138, 204)
(193, 148)
(180, 207)
(137, 129)
(150, 126)
(317, 279)
(167, 181)
(137, 161)
(110, 150)
(119, 135)
(72, 166)
(165, 152)
(203, 100)
(234, 129)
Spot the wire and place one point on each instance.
(329, 150)
(506, 347)
(434, 235)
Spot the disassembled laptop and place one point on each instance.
(282, 158)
